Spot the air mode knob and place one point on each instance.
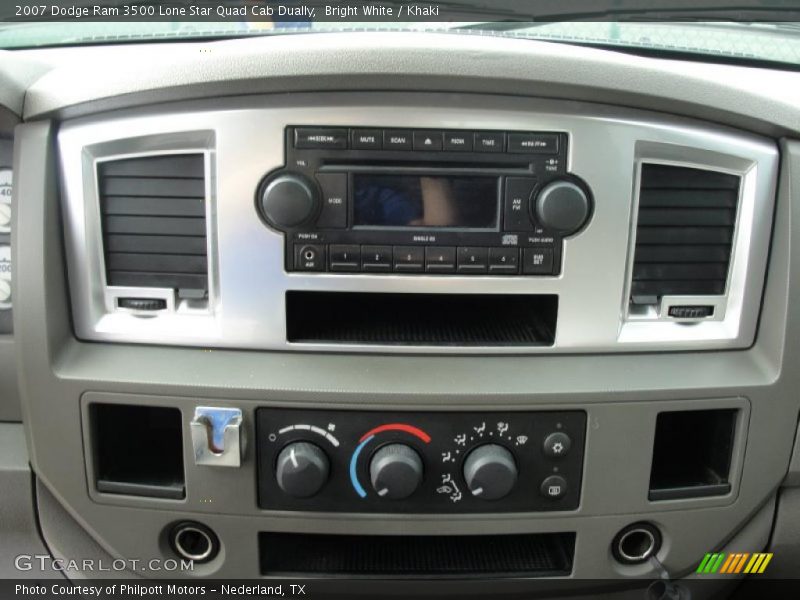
(563, 206)
(302, 469)
(395, 471)
(490, 472)
(288, 201)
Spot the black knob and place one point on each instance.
(302, 469)
(288, 201)
(395, 471)
(562, 206)
(490, 472)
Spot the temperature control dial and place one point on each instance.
(562, 206)
(302, 469)
(288, 201)
(395, 471)
(490, 472)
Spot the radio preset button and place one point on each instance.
(516, 212)
(409, 259)
(397, 139)
(440, 259)
(504, 260)
(428, 140)
(344, 257)
(458, 141)
(367, 139)
(376, 258)
(490, 141)
(537, 261)
(320, 137)
(533, 143)
(333, 214)
(473, 260)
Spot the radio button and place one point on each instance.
(440, 259)
(473, 260)
(487, 141)
(344, 257)
(516, 211)
(428, 140)
(533, 143)
(458, 141)
(397, 139)
(537, 261)
(319, 137)
(376, 258)
(334, 200)
(504, 260)
(409, 259)
(367, 139)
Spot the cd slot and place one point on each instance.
(428, 168)
(421, 319)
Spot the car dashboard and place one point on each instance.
(478, 315)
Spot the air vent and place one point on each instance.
(154, 222)
(684, 232)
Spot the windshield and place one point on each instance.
(731, 38)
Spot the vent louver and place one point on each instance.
(154, 222)
(684, 232)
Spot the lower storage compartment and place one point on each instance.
(692, 454)
(417, 556)
(137, 450)
(421, 319)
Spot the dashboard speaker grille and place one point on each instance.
(684, 232)
(154, 222)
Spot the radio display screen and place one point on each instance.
(455, 201)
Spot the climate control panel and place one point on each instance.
(364, 461)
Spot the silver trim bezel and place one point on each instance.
(243, 140)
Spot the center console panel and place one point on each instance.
(419, 463)
(494, 196)
(378, 412)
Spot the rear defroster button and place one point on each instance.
(554, 487)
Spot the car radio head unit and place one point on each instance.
(424, 201)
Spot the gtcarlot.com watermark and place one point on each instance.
(44, 562)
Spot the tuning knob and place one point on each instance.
(302, 469)
(490, 472)
(395, 471)
(288, 201)
(562, 206)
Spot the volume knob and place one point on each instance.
(490, 472)
(288, 201)
(302, 469)
(562, 206)
(395, 471)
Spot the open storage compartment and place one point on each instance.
(137, 450)
(421, 319)
(410, 556)
(692, 454)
